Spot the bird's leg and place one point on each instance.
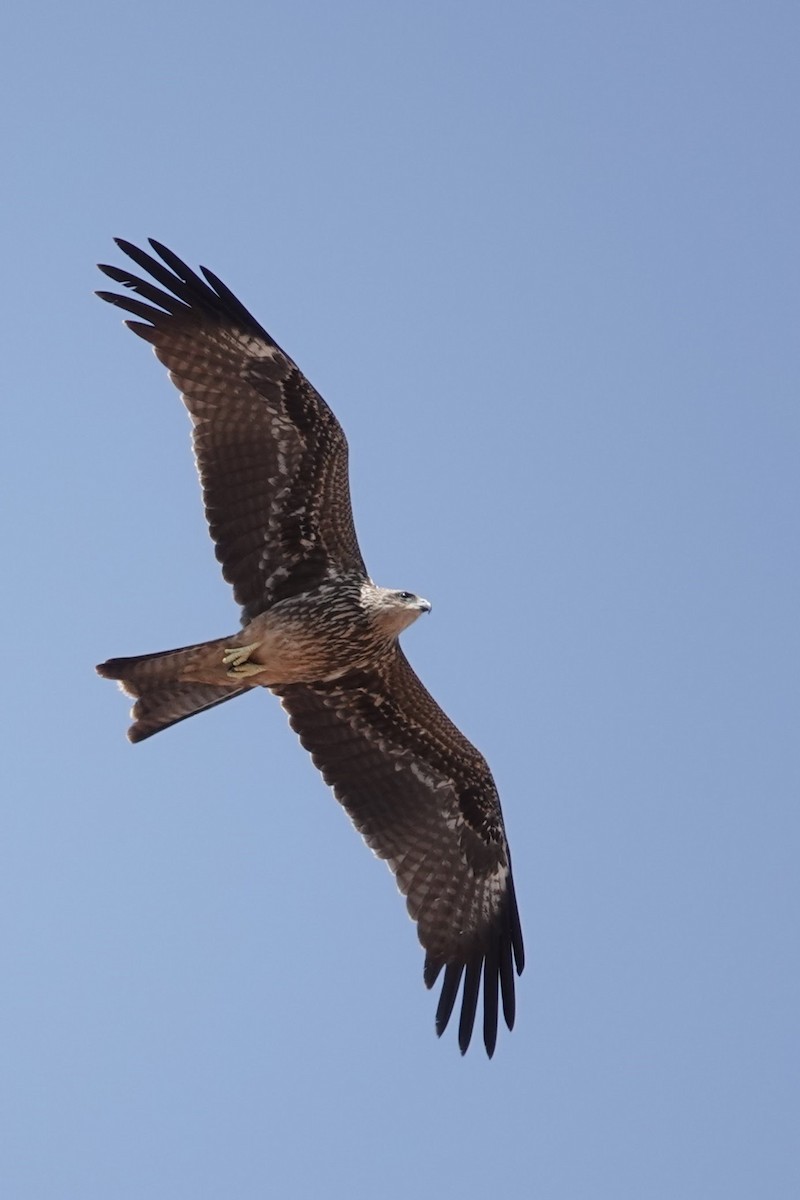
(236, 660)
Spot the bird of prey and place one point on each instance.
(316, 631)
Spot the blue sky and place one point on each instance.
(541, 259)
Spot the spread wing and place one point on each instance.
(423, 798)
(271, 455)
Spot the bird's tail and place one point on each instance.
(162, 697)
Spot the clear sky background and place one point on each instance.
(542, 260)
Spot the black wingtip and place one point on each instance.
(180, 289)
(469, 1003)
(490, 971)
(183, 271)
(447, 998)
(165, 254)
(431, 972)
(127, 247)
(491, 983)
(505, 969)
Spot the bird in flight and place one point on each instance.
(316, 631)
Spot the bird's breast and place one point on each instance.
(312, 637)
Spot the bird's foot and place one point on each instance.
(236, 660)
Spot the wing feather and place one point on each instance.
(423, 798)
(271, 455)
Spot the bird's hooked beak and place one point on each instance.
(424, 605)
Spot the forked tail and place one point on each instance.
(162, 698)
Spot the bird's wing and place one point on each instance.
(271, 455)
(423, 798)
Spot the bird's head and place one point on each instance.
(391, 610)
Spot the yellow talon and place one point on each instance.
(237, 655)
(236, 660)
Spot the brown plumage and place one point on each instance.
(316, 631)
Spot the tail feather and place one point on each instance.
(162, 698)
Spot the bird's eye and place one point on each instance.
(406, 595)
